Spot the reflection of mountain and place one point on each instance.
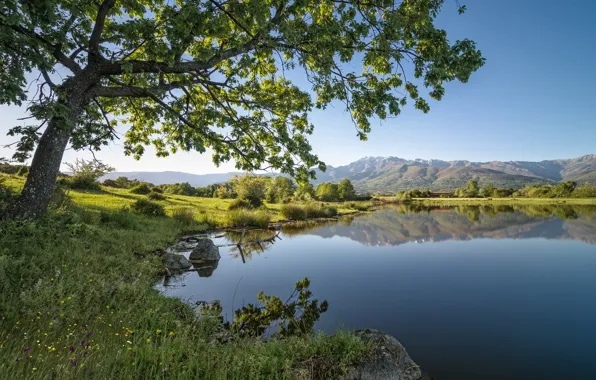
(394, 226)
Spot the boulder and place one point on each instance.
(176, 262)
(205, 250)
(388, 360)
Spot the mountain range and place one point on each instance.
(390, 174)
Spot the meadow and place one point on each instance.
(77, 300)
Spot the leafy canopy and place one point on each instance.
(199, 74)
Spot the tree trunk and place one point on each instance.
(37, 193)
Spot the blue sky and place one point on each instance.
(534, 99)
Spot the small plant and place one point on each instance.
(146, 207)
(239, 204)
(295, 317)
(248, 218)
(185, 215)
(156, 196)
(142, 188)
(293, 212)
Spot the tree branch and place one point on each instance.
(102, 12)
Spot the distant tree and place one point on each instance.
(180, 189)
(327, 192)
(487, 191)
(585, 191)
(210, 74)
(459, 193)
(225, 191)
(84, 175)
(280, 189)
(472, 189)
(346, 190)
(250, 188)
(564, 189)
(305, 192)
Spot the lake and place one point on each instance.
(504, 292)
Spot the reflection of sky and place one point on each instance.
(517, 307)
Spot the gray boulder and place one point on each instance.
(176, 262)
(205, 250)
(387, 361)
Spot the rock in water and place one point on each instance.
(205, 251)
(387, 361)
(177, 263)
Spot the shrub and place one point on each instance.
(360, 206)
(156, 196)
(239, 204)
(146, 207)
(78, 183)
(110, 183)
(248, 218)
(142, 188)
(156, 189)
(314, 210)
(185, 215)
(293, 212)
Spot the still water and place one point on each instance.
(472, 292)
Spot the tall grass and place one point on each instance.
(307, 211)
(248, 218)
(185, 215)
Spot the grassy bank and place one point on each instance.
(480, 201)
(77, 301)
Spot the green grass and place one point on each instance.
(479, 201)
(77, 300)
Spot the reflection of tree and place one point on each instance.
(408, 223)
(253, 241)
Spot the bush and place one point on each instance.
(185, 215)
(156, 189)
(360, 206)
(314, 210)
(293, 212)
(239, 204)
(78, 183)
(248, 218)
(156, 196)
(110, 183)
(146, 207)
(142, 188)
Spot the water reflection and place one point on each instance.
(418, 223)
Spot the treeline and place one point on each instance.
(567, 189)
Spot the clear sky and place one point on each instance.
(535, 98)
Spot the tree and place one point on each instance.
(346, 190)
(199, 74)
(564, 189)
(487, 191)
(85, 174)
(280, 189)
(305, 192)
(472, 189)
(328, 192)
(250, 188)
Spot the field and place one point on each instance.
(77, 300)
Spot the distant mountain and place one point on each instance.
(160, 178)
(390, 174)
